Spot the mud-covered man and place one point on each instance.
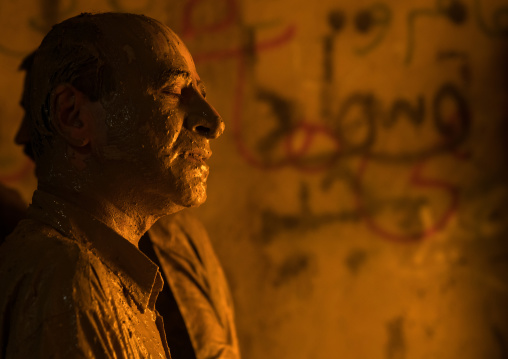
(121, 132)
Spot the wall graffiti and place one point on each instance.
(497, 26)
(375, 21)
(377, 18)
(190, 29)
(305, 220)
(452, 127)
(410, 207)
(454, 11)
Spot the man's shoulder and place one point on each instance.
(37, 256)
(55, 284)
(33, 243)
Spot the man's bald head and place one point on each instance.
(87, 52)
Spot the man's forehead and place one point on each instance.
(161, 44)
(150, 40)
(173, 62)
(151, 51)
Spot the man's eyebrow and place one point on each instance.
(177, 73)
(171, 75)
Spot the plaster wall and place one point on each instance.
(358, 197)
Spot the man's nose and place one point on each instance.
(203, 119)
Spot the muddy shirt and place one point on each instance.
(71, 287)
(196, 303)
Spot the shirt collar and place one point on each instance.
(138, 274)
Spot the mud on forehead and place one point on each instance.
(148, 48)
(138, 39)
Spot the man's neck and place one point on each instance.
(128, 219)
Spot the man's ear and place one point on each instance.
(69, 118)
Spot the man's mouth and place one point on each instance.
(197, 155)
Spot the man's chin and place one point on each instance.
(192, 197)
(195, 202)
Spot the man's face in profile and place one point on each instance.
(174, 122)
